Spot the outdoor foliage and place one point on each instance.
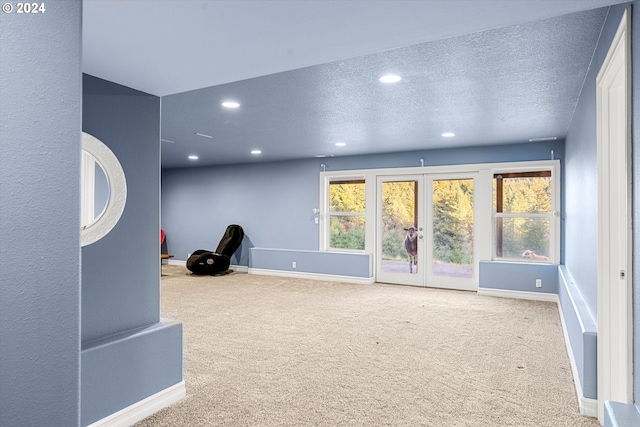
(347, 232)
(347, 196)
(530, 195)
(521, 234)
(453, 221)
(452, 217)
(398, 213)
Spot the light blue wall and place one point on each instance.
(580, 176)
(40, 98)
(518, 276)
(120, 273)
(581, 332)
(451, 156)
(579, 300)
(128, 354)
(129, 367)
(316, 262)
(274, 202)
(580, 187)
(620, 415)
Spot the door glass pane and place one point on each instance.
(453, 228)
(399, 223)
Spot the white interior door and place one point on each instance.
(615, 327)
(400, 230)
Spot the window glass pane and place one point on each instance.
(523, 238)
(346, 232)
(347, 196)
(529, 194)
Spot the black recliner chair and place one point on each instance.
(203, 262)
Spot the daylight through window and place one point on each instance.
(523, 215)
(347, 214)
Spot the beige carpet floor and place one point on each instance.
(273, 351)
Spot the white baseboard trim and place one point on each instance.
(140, 410)
(240, 268)
(504, 293)
(313, 276)
(588, 407)
(177, 262)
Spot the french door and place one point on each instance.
(400, 245)
(425, 231)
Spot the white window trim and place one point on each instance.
(485, 209)
(552, 166)
(325, 214)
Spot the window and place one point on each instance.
(347, 214)
(523, 216)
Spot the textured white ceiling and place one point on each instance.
(305, 72)
(169, 46)
(493, 87)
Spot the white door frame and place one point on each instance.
(424, 206)
(614, 181)
(402, 278)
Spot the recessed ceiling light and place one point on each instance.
(341, 144)
(323, 155)
(448, 134)
(546, 138)
(230, 104)
(390, 78)
(256, 152)
(193, 157)
(204, 135)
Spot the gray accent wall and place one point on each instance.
(274, 202)
(40, 99)
(128, 352)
